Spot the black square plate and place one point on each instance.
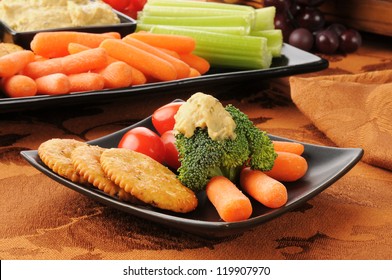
(326, 166)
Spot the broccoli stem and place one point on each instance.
(232, 173)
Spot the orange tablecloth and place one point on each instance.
(41, 219)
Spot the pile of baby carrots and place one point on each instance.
(66, 61)
(266, 187)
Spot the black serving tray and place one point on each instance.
(292, 62)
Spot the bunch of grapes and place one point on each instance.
(304, 26)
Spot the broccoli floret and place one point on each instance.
(203, 158)
(262, 154)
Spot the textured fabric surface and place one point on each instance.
(361, 105)
(41, 219)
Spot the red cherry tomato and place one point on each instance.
(145, 141)
(171, 152)
(163, 117)
(134, 7)
(119, 5)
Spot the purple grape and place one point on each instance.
(283, 23)
(337, 28)
(280, 5)
(295, 9)
(302, 39)
(302, 25)
(311, 19)
(326, 41)
(312, 3)
(349, 41)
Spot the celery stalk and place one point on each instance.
(200, 4)
(243, 44)
(227, 35)
(166, 11)
(234, 30)
(234, 62)
(274, 40)
(225, 50)
(264, 18)
(221, 21)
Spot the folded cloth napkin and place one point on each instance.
(353, 110)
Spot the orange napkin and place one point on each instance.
(353, 110)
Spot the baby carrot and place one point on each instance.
(87, 81)
(44, 67)
(170, 52)
(12, 63)
(117, 74)
(288, 167)
(181, 67)
(55, 44)
(197, 62)
(177, 43)
(138, 78)
(19, 86)
(287, 146)
(194, 73)
(76, 48)
(84, 61)
(147, 63)
(264, 189)
(232, 205)
(53, 84)
(113, 34)
(39, 58)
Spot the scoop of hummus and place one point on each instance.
(204, 111)
(31, 15)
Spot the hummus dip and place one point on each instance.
(204, 111)
(32, 15)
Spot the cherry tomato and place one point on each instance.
(145, 141)
(163, 117)
(171, 152)
(134, 7)
(119, 5)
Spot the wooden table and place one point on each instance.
(41, 219)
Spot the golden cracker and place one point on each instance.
(56, 154)
(148, 180)
(86, 161)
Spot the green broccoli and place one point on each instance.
(203, 158)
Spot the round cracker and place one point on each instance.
(56, 154)
(148, 180)
(86, 161)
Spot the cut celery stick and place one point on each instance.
(236, 62)
(264, 18)
(231, 52)
(200, 4)
(234, 30)
(174, 11)
(225, 50)
(222, 21)
(274, 40)
(212, 25)
(216, 41)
